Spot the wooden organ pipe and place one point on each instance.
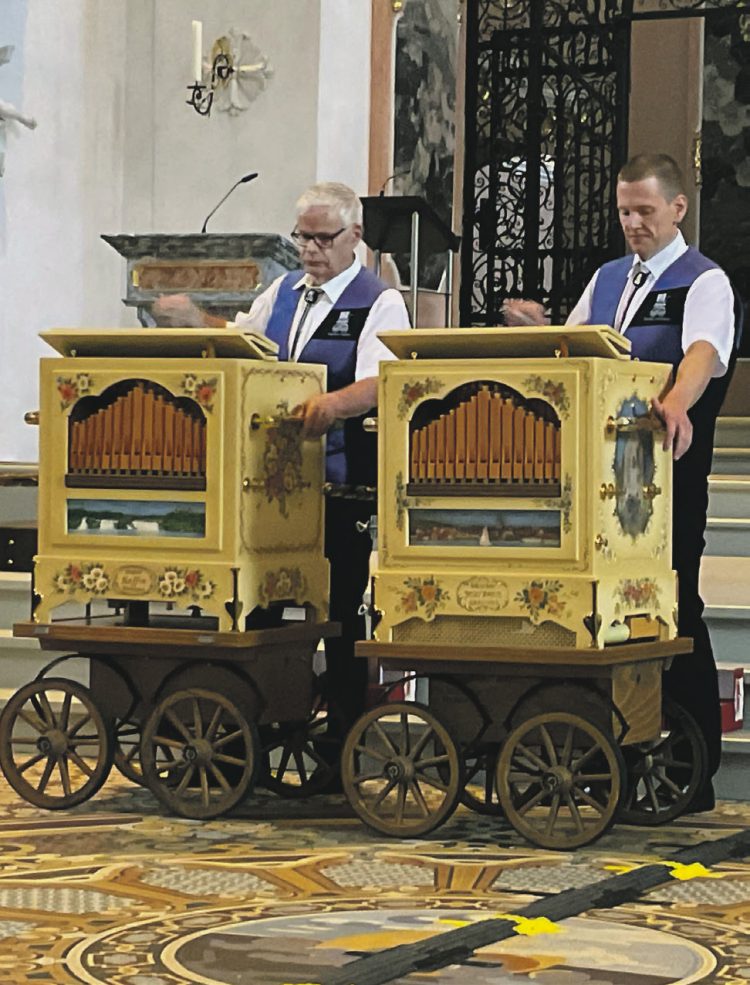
(141, 433)
(487, 439)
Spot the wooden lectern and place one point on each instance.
(222, 272)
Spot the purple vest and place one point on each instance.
(350, 453)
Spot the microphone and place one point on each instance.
(396, 174)
(247, 177)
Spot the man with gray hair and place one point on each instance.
(329, 312)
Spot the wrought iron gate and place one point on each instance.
(547, 92)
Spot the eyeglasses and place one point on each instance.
(324, 241)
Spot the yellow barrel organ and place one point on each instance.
(524, 496)
(171, 470)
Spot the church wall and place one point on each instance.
(118, 150)
(62, 186)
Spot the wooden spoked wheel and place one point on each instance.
(559, 779)
(480, 792)
(299, 758)
(199, 754)
(55, 746)
(664, 775)
(400, 770)
(127, 754)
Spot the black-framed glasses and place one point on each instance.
(324, 241)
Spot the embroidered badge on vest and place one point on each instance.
(659, 307)
(340, 328)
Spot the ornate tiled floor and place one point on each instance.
(112, 893)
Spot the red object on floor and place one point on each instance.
(729, 721)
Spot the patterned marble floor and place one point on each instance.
(113, 893)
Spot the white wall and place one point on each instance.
(61, 183)
(118, 150)
(344, 93)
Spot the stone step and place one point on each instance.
(732, 782)
(15, 597)
(18, 504)
(22, 659)
(728, 537)
(731, 461)
(732, 432)
(729, 496)
(729, 627)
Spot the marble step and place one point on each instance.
(732, 782)
(21, 660)
(733, 460)
(732, 432)
(15, 597)
(728, 537)
(729, 496)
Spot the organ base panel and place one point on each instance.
(523, 493)
(171, 470)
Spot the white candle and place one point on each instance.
(198, 51)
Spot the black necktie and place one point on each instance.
(310, 296)
(638, 279)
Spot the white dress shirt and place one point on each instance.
(709, 305)
(388, 311)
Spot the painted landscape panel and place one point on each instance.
(484, 528)
(136, 518)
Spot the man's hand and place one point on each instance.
(177, 311)
(693, 376)
(520, 311)
(318, 414)
(679, 429)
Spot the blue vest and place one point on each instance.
(655, 334)
(350, 453)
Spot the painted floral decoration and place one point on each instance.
(89, 577)
(188, 582)
(634, 593)
(552, 390)
(542, 597)
(282, 461)
(422, 594)
(203, 391)
(566, 501)
(285, 583)
(70, 388)
(413, 391)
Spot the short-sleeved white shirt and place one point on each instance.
(388, 311)
(709, 305)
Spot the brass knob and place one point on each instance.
(607, 490)
(600, 542)
(370, 425)
(246, 484)
(32, 417)
(651, 491)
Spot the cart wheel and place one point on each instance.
(559, 779)
(663, 776)
(127, 756)
(55, 747)
(480, 791)
(199, 755)
(401, 770)
(299, 758)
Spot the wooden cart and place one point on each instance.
(562, 741)
(198, 716)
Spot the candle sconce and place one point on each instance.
(229, 81)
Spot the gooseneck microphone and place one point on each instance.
(247, 177)
(396, 174)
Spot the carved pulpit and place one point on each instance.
(222, 272)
